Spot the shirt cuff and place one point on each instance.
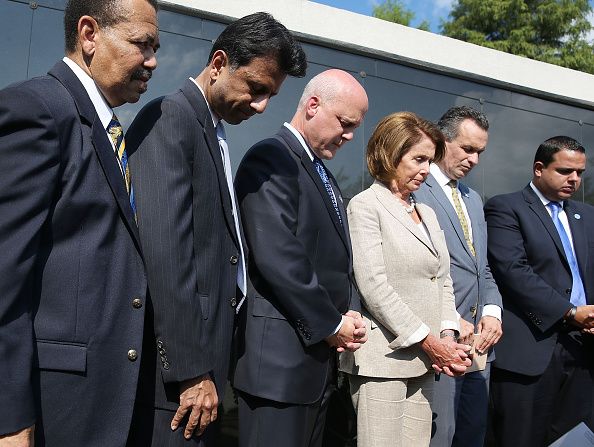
(447, 324)
(339, 326)
(492, 310)
(416, 336)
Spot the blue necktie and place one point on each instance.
(322, 173)
(578, 295)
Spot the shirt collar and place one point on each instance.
(215, 119)
(441, 179)
(301, 140)
(101, 106)
(543, 199)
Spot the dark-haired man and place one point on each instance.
(190, 228)
(460, 403)
(541, 247)
(71, 272)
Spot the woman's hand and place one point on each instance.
(446, 355)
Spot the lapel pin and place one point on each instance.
(577, 216)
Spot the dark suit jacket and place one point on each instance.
(69, 271)
(300, 266)
(472, 278)
(188, 235)
(531, 270)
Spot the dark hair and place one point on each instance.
(393, 137)
(106, 12)
(449, 123)
(260, 35)
(550, 147)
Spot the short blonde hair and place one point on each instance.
(393, 137)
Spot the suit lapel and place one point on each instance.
(535, 204)
(389, 202)
(198, 103)
(295, 145)
(444, 202)
(103, 147)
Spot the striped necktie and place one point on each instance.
(324, 176)
(460, 213)
(116, 133)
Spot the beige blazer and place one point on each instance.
(404, 282)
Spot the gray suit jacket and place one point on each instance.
(404, 282)
(473, 283)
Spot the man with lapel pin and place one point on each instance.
(460, 403)
(541, 252)
(300, 311)
(72, 278)
(190, 229)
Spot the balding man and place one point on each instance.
(298, 313)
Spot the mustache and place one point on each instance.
(141, 74)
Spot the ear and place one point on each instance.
(217, 63)
(88, 29)
(312, 106)
(537, 168)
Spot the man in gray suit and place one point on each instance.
(190, 229)
(460, 404)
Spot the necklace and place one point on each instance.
(411, 205)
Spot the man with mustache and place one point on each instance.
(541, 247)
(190, 229)
(71, 272)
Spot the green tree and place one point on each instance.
(552, 31)
(395, 11)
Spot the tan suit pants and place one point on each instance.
(393, 412)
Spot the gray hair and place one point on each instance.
(449, 123)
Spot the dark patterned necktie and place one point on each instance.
(116, 133)
(324, 176)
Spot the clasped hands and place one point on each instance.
(447, 356)
(351, 335)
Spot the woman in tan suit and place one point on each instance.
(402, 269)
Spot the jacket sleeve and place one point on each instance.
(268, 190)
(29, 167)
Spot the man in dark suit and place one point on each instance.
(190, 229)
(541, 247)
(460, 403)
(301, 269)
(71, 271)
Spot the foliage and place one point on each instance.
(551, 31)
(395, 11)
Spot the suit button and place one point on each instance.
(433, 279)
(233, 302)
(473, 309)
(233, 260)
(159, 344)
(568, 291)
(166, 365)
(132, 355)
(136, 303)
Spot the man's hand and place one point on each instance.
(446, 355)
(199, 396)
(466, 332)
(584, 317)
(489, 330)
(22, 438)
(351, 335)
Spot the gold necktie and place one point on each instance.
(460, 212)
